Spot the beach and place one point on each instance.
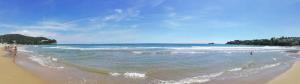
(156, 63)
(289, 77)
(13, 74)
(139, 64)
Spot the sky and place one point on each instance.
(150, 21)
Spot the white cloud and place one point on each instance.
(169, 8)
(119, 10)
(134, 26)
(171, 23)
(172, 14)
(89, 30)
(35, 33)
(157, 2)
(198, 41)
(133, 12)
(53, 25)
(225, 24)
(43, 25)
(120, 15)
(8, 26)
(104, 36)
(175, 21)
(113, 17)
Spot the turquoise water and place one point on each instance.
(165, 63)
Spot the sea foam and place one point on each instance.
(23, 49)
(137, 52)
(192, 80)
(185, 81)
(45, 61)
(270, 66)
(186, 52)
(83, 49)
(134, 75)
(233, 48)
(235, 69)
(115, 74)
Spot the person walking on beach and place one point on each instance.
(14, 51)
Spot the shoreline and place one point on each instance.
(291, 76)
(11, 73)
(74, 75)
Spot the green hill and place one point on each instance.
(282, 41)
(27, 40)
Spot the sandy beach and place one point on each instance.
(18, 74)
(13, 74)
(289, 77)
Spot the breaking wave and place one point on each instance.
(23, 49)
(175, 48)
(134, 75)
(46, 61)
(269, 66)
(235, 69)
(197, 79)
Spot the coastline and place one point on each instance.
(71, 74)
(13, 74)
(291, 76)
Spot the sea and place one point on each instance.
(156, 63)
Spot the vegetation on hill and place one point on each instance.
(27, 40)
(282, 41)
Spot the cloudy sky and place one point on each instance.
(150, 21)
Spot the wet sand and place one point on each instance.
(13, 74)
(289, 77)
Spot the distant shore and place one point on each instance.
(13, 74)
(291, 76)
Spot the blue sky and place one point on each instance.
(150, 21)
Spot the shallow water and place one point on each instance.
(158, 63)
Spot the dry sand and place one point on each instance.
(10, 73)
(292, 76)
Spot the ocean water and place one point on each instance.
(161, 63)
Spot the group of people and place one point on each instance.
(12, 49)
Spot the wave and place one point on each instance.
(115, 74)
(235, 69)
(23, 49)
(238, 48)
(78, 48)
(138, 52)
(197, 79)
(209, 77)
(167, 52)
(217, 48)
(250, 66)
(134, 75)
(275, 59)
(129, 75)
(46, 61)
(186, 52)
(185, 81)
(270, 66)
